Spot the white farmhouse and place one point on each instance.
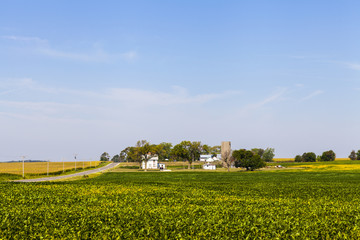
(152, 163)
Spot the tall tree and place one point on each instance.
(268, 154)
(181, 152)
(358, 155)
(227, 159)
(194, 152)
(163, 150)
(123, 156)
(133, 155)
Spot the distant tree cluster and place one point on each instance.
(311, 157)
(143, 151)
(354, 155)
(190, 152)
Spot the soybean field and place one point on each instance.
(293, 204)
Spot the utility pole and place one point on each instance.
(48, 167)
(23, 166)
(75, 160)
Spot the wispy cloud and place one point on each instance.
(97, 54)
(311, 95)
(25, 39)
(85, 101)
(353, 66)
(272, 98)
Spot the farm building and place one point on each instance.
(209, 158)
(153, 163)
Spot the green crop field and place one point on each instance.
(286, 204)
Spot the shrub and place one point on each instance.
(328, 156)
(298, 158)
(352, 155)
(309, 157)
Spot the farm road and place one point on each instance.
(109, 166)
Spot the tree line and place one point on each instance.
(188, 151)
(326, 156)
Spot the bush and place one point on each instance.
(309, 157)
(328, 156)
(352, 155)
(298, 158)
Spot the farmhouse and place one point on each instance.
(153, 163)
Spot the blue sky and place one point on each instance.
(92, 76)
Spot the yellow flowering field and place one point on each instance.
(41, 167)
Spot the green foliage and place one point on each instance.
(191, 205)
(268, 154)
(358, 155)
(247, 159)
(116, 158)
(298, 158)
(258, 151)
(352, 155)
(328, 156)
(105, 157)
(309, 157)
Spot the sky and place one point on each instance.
(87, 77)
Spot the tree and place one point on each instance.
(116, 158)
(227, 159)
(358, 155)
(258, 151)
(352, 155)
(105, 157)
(194, 152)
(247, 159)
(309, 157)
(133, 155)
(187, 151)
(181, 152)
(163, 150)
(215, 150)
(123, 156)
(328, 156)
(298, 158)
(145, 151)
(268, 155)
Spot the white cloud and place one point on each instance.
(131, 55)
(313, 94)
(353, 66)
(97, 54)
(25, 39)
(272, 98)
